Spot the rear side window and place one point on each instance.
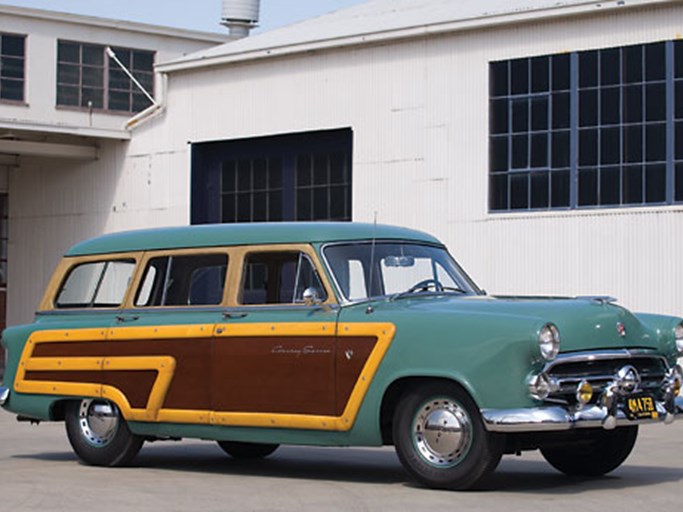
(100, 284)
(186, 280)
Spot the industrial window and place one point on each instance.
(252, 189)
(588, 129)
(323, 187)
(12, 67)
(88, 78)
(301, 177)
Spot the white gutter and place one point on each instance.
(155, 107)
(485, 20)
(112, 55)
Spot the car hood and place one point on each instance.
(584, 323)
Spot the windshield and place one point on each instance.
(364, 270)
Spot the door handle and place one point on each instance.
(233, 316)
(129, 318)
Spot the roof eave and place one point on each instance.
(485, 21)
(131, 26)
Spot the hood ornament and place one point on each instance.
(621, 329)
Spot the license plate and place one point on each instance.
(641, 407)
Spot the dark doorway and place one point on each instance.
(293, 177)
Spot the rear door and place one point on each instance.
(159, 351)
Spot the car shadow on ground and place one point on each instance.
(372, 466)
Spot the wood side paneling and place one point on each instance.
(268, 374)
(292, 375)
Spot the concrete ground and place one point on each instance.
(39, 472)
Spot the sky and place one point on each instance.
(190, 14)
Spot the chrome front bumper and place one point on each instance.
(545, 419)
(4, 394)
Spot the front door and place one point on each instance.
(274, 355)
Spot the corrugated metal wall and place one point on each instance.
(419, 114)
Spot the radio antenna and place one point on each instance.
(372, 254)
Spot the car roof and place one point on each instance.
(216, 235)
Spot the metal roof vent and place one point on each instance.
(240, 16)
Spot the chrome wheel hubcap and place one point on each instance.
(442, 432)
(99, 421)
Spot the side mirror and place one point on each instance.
(311, 297)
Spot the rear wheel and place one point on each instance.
(597, 453)
(98, 433)
(239, 450)
(441, 440)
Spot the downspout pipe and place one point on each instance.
(155, 108)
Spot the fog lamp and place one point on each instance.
(676, 380)
(584, 392)
(540, 387)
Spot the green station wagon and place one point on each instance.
(332, 334)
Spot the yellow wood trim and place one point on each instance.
(66, 364)
(59, 388)
(67, 263)
(165, 332)
(385, 335)
(139, 274)
(165, 367)
(52, 336)
(227, 330)
(236, 255)
(240, 252)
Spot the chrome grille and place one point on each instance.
(599, 369)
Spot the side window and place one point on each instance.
(278, 278)
(188, 280)
(99, 284)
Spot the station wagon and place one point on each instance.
(332, 334)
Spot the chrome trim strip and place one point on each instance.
(555, 418)
(4, 395)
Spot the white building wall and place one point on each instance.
(419, 114)
(57, 203)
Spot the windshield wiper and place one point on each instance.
(411, 291)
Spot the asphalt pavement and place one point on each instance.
(39, 472)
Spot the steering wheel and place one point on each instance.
(424, 285)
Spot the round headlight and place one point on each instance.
(678, 333)
(549, 342)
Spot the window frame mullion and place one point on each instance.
(573, 130)
(669, 64)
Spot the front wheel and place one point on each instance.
(98, 433)
(441, 440)
(596, 453)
